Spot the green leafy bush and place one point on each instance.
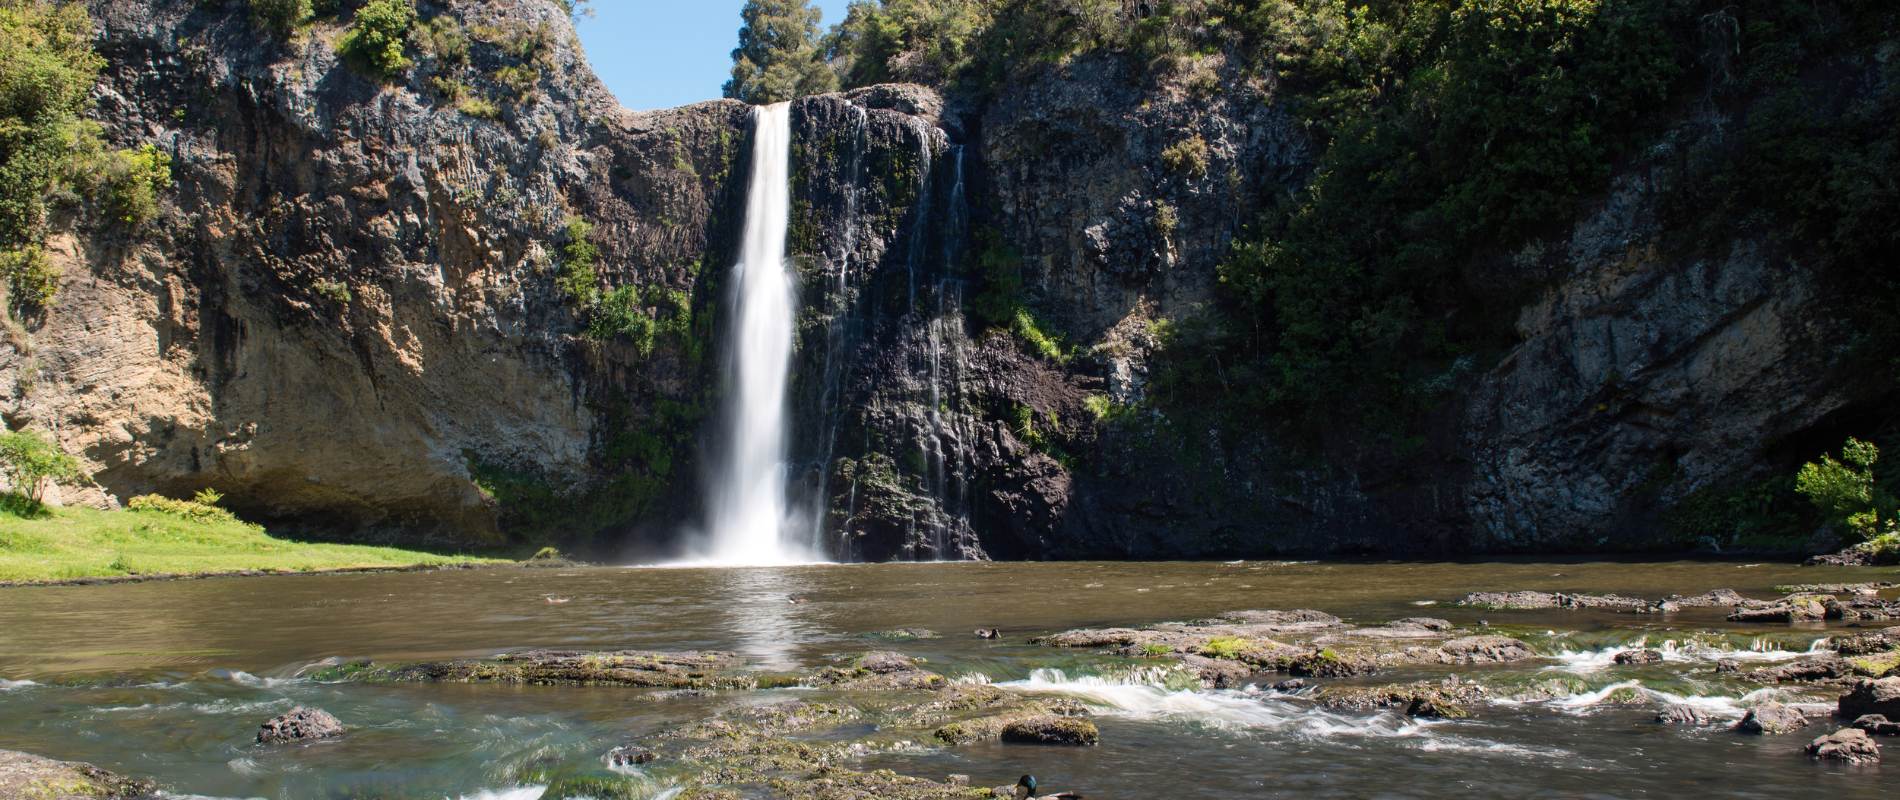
(282, 17)
(1187, 157)
(47, 71)
(31, 278)
(377, 40)
(193, 510)
(578, 278)
(134, 179)
(1844, 489)
(30, 460)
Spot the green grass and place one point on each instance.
(71, 543)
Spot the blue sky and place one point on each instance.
(665, 53)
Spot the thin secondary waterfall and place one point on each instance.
(746, 515)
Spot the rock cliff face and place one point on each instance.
(348, 320)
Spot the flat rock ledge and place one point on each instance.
(1226, 651)
(23, 775)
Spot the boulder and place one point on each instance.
(1872, 697)
(1679, 714)
(1052, 729)
(1877, 725)
(299, 725)
(31, 777)
(1850, 745)
(1771, 719)
(1638, 657)
(1289, 685)
(885, 662)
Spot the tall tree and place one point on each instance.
(778, 58)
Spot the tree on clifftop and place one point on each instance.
(778, 58)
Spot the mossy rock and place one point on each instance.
(1052, 729)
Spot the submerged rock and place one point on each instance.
(1771, 718)
(636, 668)
(879, 670)
(1522, 601)
(299, 725)
(1850, 745)
(32, 777)
(1872, 697)
(1679, 714)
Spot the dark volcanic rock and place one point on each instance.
(299, 725)
(1771, 718)
(630, 755)
(1872, 697)
(1851, 745)
(1877, 725)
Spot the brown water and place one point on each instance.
(169, 680)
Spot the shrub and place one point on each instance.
(47, 71)
(334, 291)
(282, 17)
(1187, 157)
(134, 178)
(31, 278)
(1844, 490)
(30, 460)
(1227, 647)
(1030, 330)
(578, 278)
(479, 108)
(185, 509)
(377, 39)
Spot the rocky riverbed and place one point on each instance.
(869, 681)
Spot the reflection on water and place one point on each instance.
(767, 612)
(170, 680)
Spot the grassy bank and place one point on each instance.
(74, 543)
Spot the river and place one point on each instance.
(169, 680)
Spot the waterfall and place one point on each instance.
(746, 512)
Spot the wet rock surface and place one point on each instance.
(1880, 696)
(1850, 745)
(299, 725)
(1638, 657)
(1877, 725)
(1772, 719)
(30, 777)
(637, 668)
(1679, 714)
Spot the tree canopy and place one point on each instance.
(778, 57)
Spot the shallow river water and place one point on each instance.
(170, 680)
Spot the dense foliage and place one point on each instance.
(778, 55)
(30, 460)
(1845, 491)
(378, 38)
(47, 69)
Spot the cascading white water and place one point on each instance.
(746, 514)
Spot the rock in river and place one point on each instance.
(1679, 714)
(1052, 729)
(1771, 718)
(29, 776)
(300, 725)
(1872, 697)
(1851, 745)
(1638, 657)
(1877, 725)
